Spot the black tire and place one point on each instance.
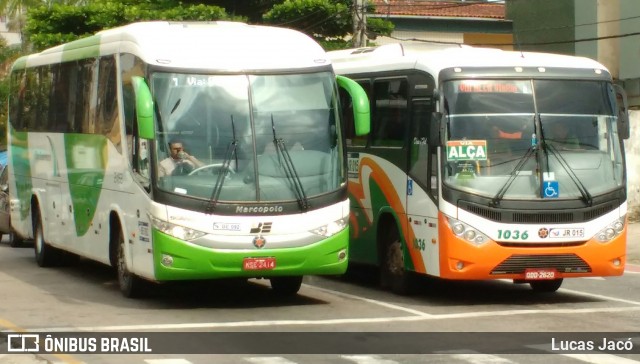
(286, 286)
(546, 286)
(131, 286)
(15, 241)
(46, 255)
(393, 276)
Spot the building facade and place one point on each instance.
(445, 21)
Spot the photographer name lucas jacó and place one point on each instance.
(606, 344)
(50, 344)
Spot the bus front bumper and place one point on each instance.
(465, 261)
(189, 261)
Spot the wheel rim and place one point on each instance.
(39, 240)
(123, 274)
(395, 259)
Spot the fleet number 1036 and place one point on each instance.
(513, 234)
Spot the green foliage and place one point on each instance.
(7, 56)
(4, 97)
(50, 26)
(320, 19)
(327, 21)
(377, 26)
(251, 9)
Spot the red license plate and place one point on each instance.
(540, 274)
(267, 263)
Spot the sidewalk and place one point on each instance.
(633, 243)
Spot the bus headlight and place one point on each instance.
(331, 228)
(467, 232)
(177, 231)
(611, 231)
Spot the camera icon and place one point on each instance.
(23, 343)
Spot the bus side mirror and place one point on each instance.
(361, 111)
(144, 108)
(433, 138)
(623, 112)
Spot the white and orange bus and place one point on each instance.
(486, 164)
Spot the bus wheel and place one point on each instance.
(131, 286)
(392, 273)
(286, 286)
(546, 286)
(15, 240)
(46, 255)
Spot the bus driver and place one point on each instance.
(177, 161)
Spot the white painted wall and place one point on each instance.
(11, 37)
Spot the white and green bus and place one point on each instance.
(256, 107)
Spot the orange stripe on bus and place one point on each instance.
(389, 191)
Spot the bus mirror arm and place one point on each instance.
(623, 112)
(361, 111)
(144, 108)
(433, 138)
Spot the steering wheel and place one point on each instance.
(213, 167)
(182, 169)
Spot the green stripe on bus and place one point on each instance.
(81, 49)
(86, 156)
(19, 64)
(22, 169)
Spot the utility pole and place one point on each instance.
(359, 23)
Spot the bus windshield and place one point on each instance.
(563, 131)
(272, 137)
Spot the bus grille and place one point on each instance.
(538, 216)
(563, 263)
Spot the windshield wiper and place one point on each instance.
(226, 165)
(495, 201)
(290, 169)
(546, 148)
(586, 196)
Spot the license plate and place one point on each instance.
(566, 233)
(259, 263)
(540, 274)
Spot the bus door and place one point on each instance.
(388, 144)
(46, 161)
(422, 190)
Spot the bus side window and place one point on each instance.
(107, 121)
(390, 117)
(137, 149)
(16, 99)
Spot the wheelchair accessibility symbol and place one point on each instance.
(551, 189)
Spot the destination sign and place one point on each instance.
(467, 150)
(476, 86)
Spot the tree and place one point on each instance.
(49, 26)
(327, 21)
(251, 9)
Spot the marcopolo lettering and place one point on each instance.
(259, 209)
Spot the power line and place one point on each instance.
(520, 43)
(470, 3)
